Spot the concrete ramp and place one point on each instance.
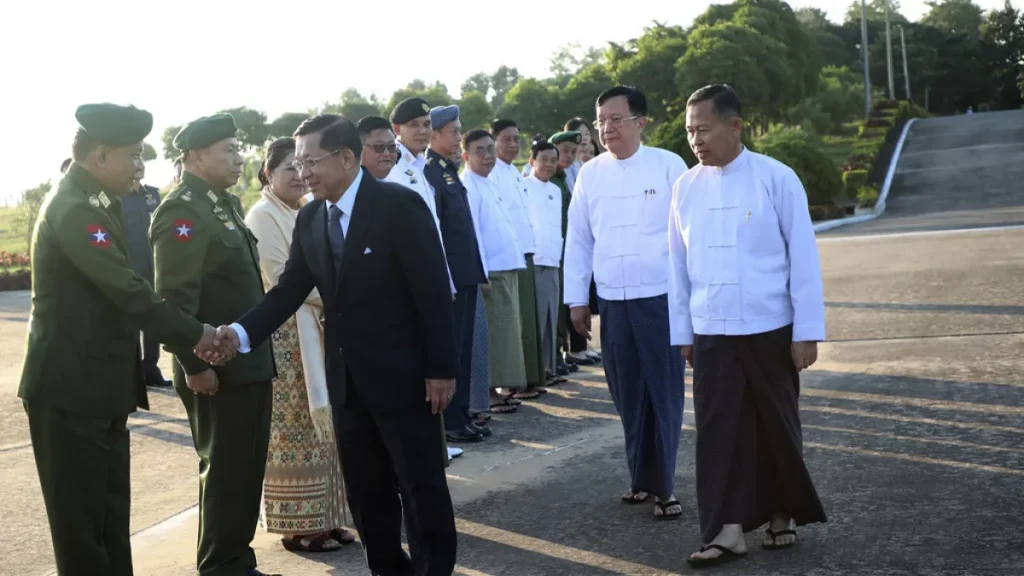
(956, 172)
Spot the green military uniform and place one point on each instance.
(206, 262)
(82, 374)
(559, 180)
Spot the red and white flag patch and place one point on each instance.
(183, 230)
(98, 235)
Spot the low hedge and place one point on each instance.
(875, 144)
(796, 148)
(853, 180)
(18, 280)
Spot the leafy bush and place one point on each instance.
(867, 196)
(853, 180)
(797, 149)
(672, 136)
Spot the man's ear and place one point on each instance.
(465, 157)
(102, 152)
(643, 122)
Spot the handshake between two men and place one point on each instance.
(216, 347)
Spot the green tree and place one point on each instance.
(167, 138)
(533, 104)
(148, 153)
(572, 58)
(1003, 34)
(579, 97)
(285, 125)
(479, 82)
(840, 98)
(956, 16)
(503, 79)
(876, 12)
(474, 111)
(354, 106)
(251, 124)
(833, 48)
(28, 210)
(644, 61)
(435, 94)
(737, 55)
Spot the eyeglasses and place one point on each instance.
(613, 122)
(488, 151)
(382, 148)
(311, 164)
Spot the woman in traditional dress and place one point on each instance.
(303, 492)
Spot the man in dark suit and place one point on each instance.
(372, 250)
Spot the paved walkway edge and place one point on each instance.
(883, 194)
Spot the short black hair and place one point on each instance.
(276, 153)
(723, 99)
(576, 123)
(635, 98)
(500, 125)
(83, 145)
(474, 135)
(541, 146)
(65, 165)
(338, 133)
(370, 124)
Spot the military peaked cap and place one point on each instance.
(409, 109)
(560, 137)
(114, 125)
(205, 131)
(441, 116)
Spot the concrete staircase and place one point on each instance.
(956, 172)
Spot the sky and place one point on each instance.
(194, 57)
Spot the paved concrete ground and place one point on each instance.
(913, 425)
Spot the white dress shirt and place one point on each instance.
(618, 226)
(743, 255)
(346, 203)
(408, 171)
(513, 191)
(545, 200)
(496, 234)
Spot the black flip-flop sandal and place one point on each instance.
(775, 535)
(531, 394)
(725, 556)
(314, 544)
(664, 506)
(342, 536)
(557, 380)
(631, 497)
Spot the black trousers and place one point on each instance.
(376, 449)
(150, 357)
(456, 415)
(85, 471)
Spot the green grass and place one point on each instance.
(12, 238)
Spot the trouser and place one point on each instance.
(84, 470)
(376, 448)
(150, 358)
(456, 415)
(230, 432)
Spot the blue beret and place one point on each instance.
(114, 125)
(409, 110)
(441, 116)
(205, 131)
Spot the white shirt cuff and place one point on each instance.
(243, 338)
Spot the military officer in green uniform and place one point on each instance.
(82, 374)
(206, 262)
(566, 142)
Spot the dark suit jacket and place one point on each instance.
(457, 229)
(389, 315)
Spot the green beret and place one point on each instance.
(205, 131)
(114, 125)
(409, 110)
(560, 137)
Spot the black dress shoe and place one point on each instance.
(479, 429)
(158, 383)
(562, 370)
(464, 435)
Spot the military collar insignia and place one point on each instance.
(229, 225)
(186, 195)
(94, 201)
(222, 217)
(217, 209)
(213, 197)
(104, 200)
(442, 163)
